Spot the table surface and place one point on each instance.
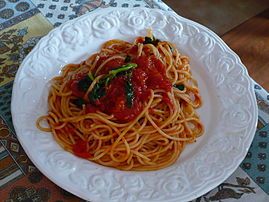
(242, 24)
(250, 41)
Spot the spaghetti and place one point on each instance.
(130, 106)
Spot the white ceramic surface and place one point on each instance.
(229, 112)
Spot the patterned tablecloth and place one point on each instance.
(22, 24)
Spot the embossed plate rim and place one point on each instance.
(25, 130)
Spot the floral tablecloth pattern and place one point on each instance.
(22, 24)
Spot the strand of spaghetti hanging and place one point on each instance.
(131, 106)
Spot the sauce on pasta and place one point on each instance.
(130, 106)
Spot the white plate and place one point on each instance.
(229, 112)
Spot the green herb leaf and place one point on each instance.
(78, 102)
(90, 76)
(97, 92)
(152, 40)
(129, 92)
(114, 72)
(147, 40)
(180, 87)
(123, 68)
(128, 59)
(84, 83)
(99, 89)
(171, 48)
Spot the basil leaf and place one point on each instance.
(180, 87)
(98, 91)
(114, 72)
(78, 102)
(147, 40)
(128, 59)
(84, 83)
(118, 71)
(152, 40)
(129, 91)
(90, 76)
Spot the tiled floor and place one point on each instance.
(219, 15)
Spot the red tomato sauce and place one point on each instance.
(148, 75)
(80, 149)
(114, 102)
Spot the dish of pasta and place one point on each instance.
(111, 115)
(130, 106)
